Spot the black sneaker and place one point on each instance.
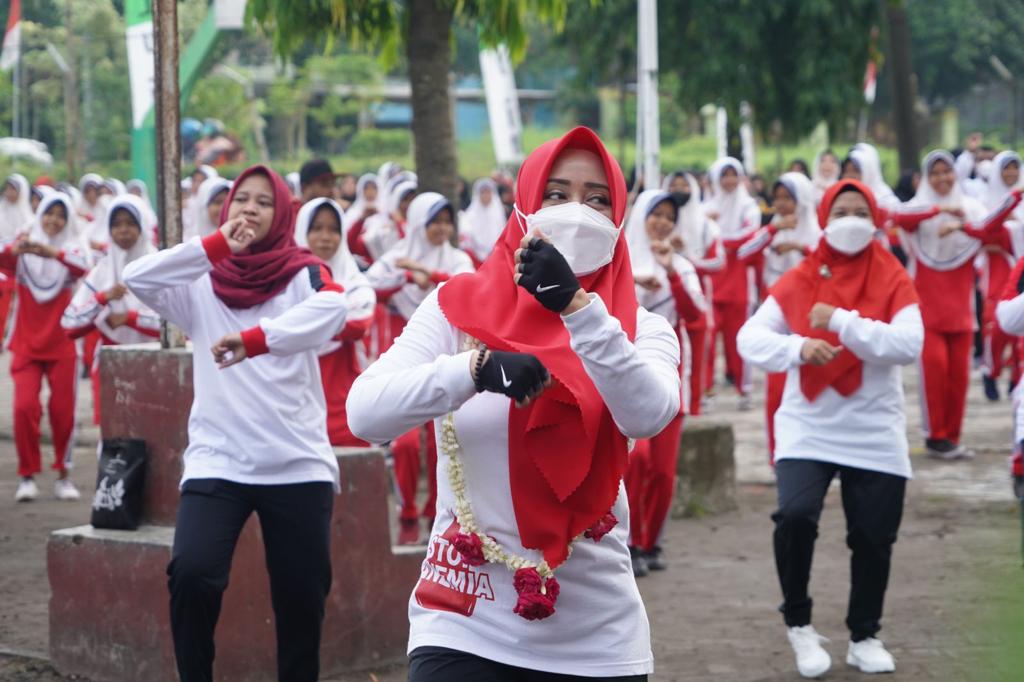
(991, 389)
(941, 448)
(636, 557)
(655, 559)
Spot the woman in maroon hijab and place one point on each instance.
(257, 432)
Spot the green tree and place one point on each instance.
(423, 28)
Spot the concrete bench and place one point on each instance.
(706, 469)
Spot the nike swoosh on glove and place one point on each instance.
(517, 375)
(547, 275)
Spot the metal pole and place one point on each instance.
(168, 135)
(70, 98)
(16, 78)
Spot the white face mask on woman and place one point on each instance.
(849, 234)
(584, 237)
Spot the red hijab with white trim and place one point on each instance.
(566, 455)
(871, 282)
(262, 270)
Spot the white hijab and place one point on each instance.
(355, 211)
(730, 206)
(415, 246)
(642, 259)
(84, 208)
(15, 217)
(870, 166)
(953, 250)
(201, 224)
(698, 232)
(359, 295)
(47, 277)
(821, 181)
(109, 271)
(294, 181)
(380, 233)
(806, 233)
(143, 190)
(996, 191)
(479, 225)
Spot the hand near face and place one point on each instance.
(663, 255)
(677, 243)
(238, 233)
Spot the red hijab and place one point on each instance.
(264, 269)
(566, 455)
(871, 282)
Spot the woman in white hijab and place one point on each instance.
(403, 277)
(482, 222)
(319, 227)
(206, 208)
(15, 218)
(697, 238)
(942, 248)
(792, 234)
(734, 294)
(368, 198)
(869, 167)
(89, 207)
(139, 189)
(668, 285)
(46, 263)
(825, 173)
(103, 303)
(384, 229)
(994, 263)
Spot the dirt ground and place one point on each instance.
(955, 608)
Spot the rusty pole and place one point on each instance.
(168, 136)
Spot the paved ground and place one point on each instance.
(956, 574)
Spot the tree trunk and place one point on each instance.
(429, 52)
(901, 78)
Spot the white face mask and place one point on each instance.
(584, 237)
(849, 234)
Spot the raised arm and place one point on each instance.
(884, 343)
(622, 370)
(766, 341)
(418, 379)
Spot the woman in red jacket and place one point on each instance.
(942, 248)
(45, 262)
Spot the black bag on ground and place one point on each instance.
(117, 503)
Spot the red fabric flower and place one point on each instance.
(532, 603)
(471, 549)
(603, 526)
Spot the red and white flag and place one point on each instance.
(870, 82)
(12, 37)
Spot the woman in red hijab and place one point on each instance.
(840, 323)
(531, 368)
(258, 427)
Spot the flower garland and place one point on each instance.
(535, 582)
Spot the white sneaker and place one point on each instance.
(27, 491)
(811, 658)
(745, 403)
(64, 489)
(870, 656)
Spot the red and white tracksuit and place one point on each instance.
(994, 264)
(699, 331)
(947, 310)
(406, 449)
(733, 298)
(40, 348)
(7, 289)
(338, 371)
(650, 479)
(80, 321)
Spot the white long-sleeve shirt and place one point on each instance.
(600, 627)
(264, 420)
(866, 430)
(1010, 316)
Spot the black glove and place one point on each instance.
(547, 275)
(516, 375)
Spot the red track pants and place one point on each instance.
(775, 386)
(406, 453)
(62, 376)
(945, 372)
(729, 317)
(7, 288)
(698, 360)
(650, 481)
(997, 344)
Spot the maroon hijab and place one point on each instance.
(264, 269)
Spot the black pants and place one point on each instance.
(437, 664)
(873, 503)
(295, 520)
